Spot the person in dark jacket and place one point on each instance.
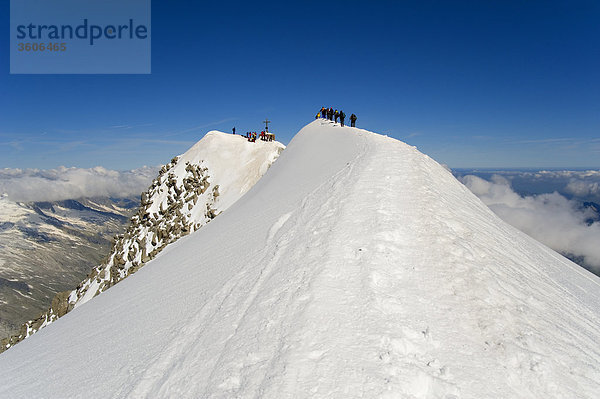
(330, 114)
(353, 120)
(324, 113)
(342, 117)
(336, 115)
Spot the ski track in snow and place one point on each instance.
(371, 274)
(363, 270)
(293, 294)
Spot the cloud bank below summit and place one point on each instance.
(551, 218)
(63, 183)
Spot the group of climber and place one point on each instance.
(264, 136)
(333, 115)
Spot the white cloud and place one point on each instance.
(581, 188)
(555, 174)
(72, 183)
(552, 219)
(581, 184)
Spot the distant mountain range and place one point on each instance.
(47, 247)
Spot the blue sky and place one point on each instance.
(470, 83)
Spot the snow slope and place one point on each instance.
(356, 267)
(187, 194)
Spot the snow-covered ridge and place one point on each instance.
(357, 267)
(189, 192)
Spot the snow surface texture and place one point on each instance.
(356, 267)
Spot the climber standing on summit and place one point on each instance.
(352, 120)
(336, 115)
(342, 117)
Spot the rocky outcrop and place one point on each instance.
(185, 196)
(172, 207)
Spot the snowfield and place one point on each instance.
(188, 193)
(357, 267)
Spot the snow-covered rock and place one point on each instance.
(188, 192)
(356, 267)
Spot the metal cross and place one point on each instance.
(266, 122)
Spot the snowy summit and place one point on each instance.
(356, 267)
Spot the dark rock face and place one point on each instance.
(594, 210)
(60, 305)
(15, 285)
(6, 226)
